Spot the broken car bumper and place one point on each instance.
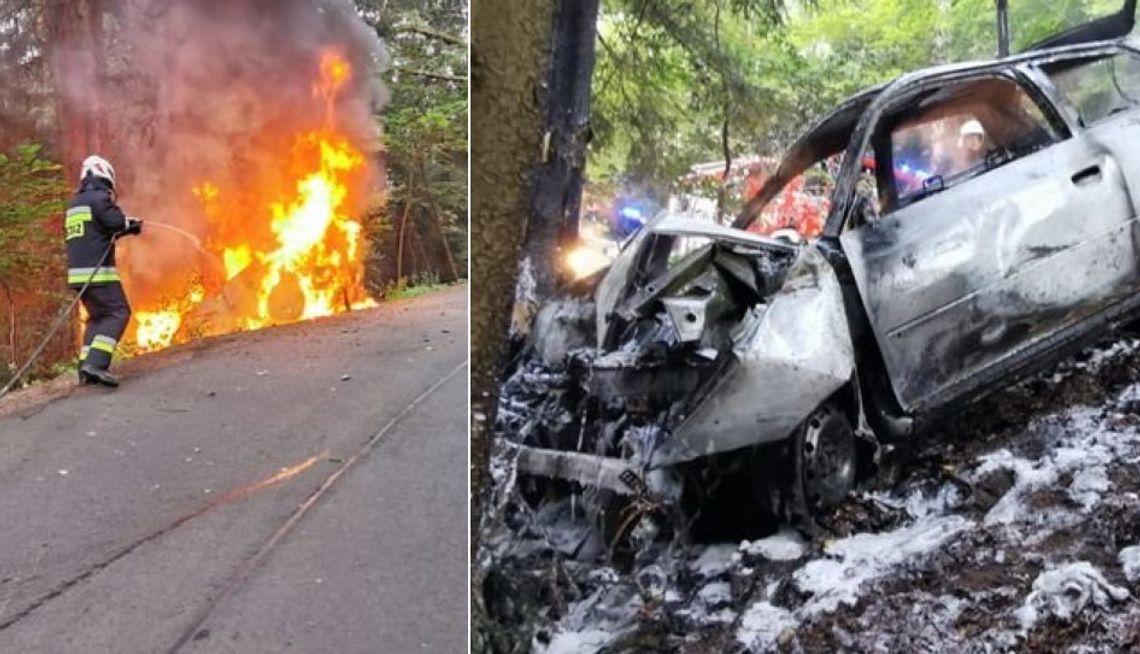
(608, 473)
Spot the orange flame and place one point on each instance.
(156, 329)
(236, 259)
(299, 255)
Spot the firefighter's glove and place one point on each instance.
(134, 226)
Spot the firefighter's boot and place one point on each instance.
(91, 375)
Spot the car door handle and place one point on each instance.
(1086, 176)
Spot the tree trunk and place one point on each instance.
(437, 221)
(400, 244)
(530, 79)
(557, 190)
(437, 218)
(77, 66)
(428, 267)
(15, 359)
(509, 54)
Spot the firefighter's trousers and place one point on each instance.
(107, 316)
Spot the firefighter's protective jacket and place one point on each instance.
(92, 222)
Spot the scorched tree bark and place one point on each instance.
(531, 67)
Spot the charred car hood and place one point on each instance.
(614, 285)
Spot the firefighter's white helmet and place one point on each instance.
(971, 128)
(99, 167)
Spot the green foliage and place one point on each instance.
(674, 76)
(878, 40)
(425, 126)
(31, 256)
(406, 290)
(31, 195)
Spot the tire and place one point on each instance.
(824, 460)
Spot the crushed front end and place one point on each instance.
(684, 355)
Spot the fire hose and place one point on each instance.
(57, 324)
(71, 307)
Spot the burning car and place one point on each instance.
(708, 350)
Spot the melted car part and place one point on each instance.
(688, 316)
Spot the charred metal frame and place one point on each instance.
(839, 353)
(844, 216)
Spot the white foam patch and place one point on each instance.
(1066, 591)
(715, 594)
(861, 558)
(1084, 454)
(1100, 356)
(785, 545)
(762, 624)
(1129, 558)
(715, 560)
(1078, 449)
(573, 642)
(1089, 485)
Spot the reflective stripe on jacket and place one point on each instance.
(90, 226)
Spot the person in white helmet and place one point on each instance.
(92, 224)
(953, 157)
(971, 144)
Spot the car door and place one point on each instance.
(1101, 90)
(977, 268)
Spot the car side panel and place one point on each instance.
(958, 282)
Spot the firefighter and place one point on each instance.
(968, 152)
(971, 143)
(92, 224)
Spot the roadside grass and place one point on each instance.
(406, 290)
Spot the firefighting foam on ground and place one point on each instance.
(293, 253)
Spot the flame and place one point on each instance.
(287, 245)
(335, 71)
(235, 260)
(205, 191)
(304, 227)
(585, 260)
(156, 329)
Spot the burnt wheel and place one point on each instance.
(823, 460)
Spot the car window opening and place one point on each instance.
(943, 138)
(1098, 87)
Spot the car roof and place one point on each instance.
(830, 134)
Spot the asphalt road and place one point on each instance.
(299, 489)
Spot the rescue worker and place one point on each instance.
(971, 144)
(970, 150)
(92, 224)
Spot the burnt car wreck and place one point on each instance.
(706, 350)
